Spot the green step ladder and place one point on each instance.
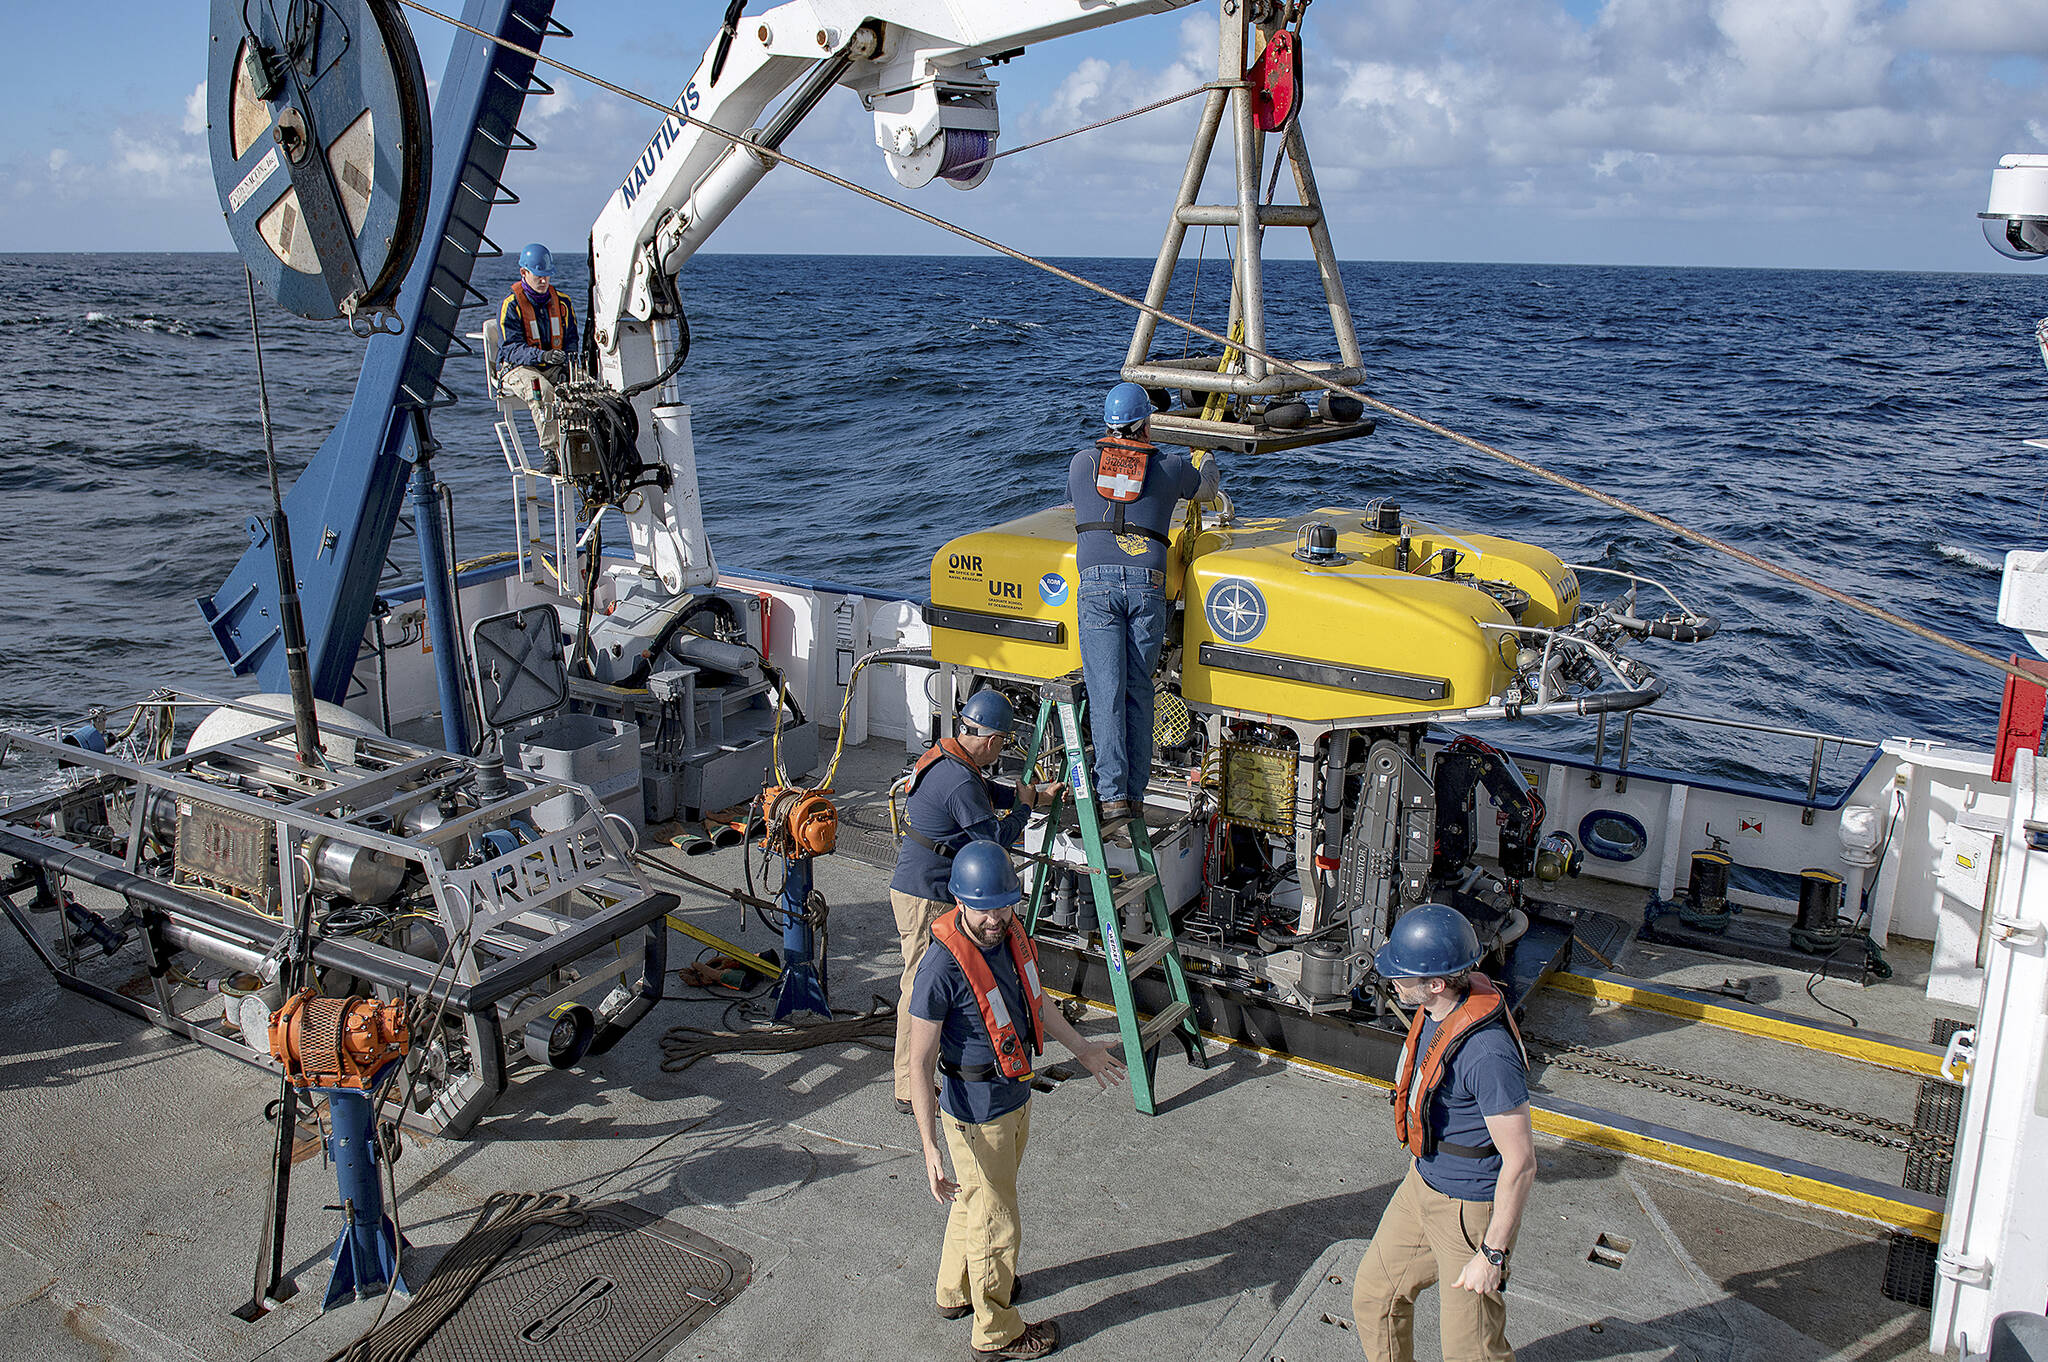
(1142, 1037)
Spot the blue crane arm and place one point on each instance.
(344, 506)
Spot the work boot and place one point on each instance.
(1118, 811)
(1036, 1341)
(963, 1311)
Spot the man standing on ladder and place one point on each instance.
(1461, 1105)
(1124, 492)
(537, 334)
(948, 803)
(981, 1017)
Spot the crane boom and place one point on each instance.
(919, 68)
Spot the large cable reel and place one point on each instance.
(318, 127)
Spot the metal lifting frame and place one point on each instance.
(344, 507)
(1248, 293)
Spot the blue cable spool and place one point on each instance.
(318, 129)
(1613, 835)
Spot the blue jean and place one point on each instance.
(1123, 629)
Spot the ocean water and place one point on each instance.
(854, 413)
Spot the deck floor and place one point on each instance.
(130, 1210)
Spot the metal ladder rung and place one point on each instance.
(1229, 215)
(1154, 951)
(1134, 889)
(1162, 1022)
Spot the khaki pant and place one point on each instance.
(914, 919)
(520, 380)
(1425, 1236)
(978, 1265)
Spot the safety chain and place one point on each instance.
(1557, 1052)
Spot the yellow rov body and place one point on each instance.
(1272, 627)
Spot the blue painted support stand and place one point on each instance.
(440, 599)
(366, 1256)
(344, 506)
(803, 976)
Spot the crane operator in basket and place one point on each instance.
(537, 331)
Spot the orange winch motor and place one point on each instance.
(337, 1042)
(799, 822)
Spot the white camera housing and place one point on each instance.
(2016, 218)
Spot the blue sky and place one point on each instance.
(1856, 133)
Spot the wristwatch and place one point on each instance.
(1498, 1257)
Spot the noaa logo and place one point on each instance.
(1236, 610)
(1052, 589)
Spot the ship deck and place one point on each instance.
(1225, 1228)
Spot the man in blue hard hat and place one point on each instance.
(1461, 1105)
(948, 802)
(981, 1017)
(537, 335)
(1124, 491)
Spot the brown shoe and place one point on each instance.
(1036, 1341)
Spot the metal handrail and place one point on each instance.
(1749, 726)
(1813, 769)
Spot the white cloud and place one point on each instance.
(59, 158)
(1994, 27)
(195, 110)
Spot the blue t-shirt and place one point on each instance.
(1169, 479)
(952, 806)
(1485, 1079)
(942, 994)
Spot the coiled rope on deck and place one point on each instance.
(1608, 499)
(683, 1046)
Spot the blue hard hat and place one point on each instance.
(537, 258)
(1428, 942)
(983, 877)
(989, 711)
(1126, 405)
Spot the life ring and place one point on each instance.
(1613, 835)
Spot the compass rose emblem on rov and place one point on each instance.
(1236, 610)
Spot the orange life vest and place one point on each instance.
(1120, 466)
(550, 337)
(943, 749)
(1014, 1047)
(1484, 1005)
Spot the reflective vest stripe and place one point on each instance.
(1418, 1078)
(558, 319)
(1013, 1052)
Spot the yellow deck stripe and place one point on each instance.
(1885, 1053)
(1904, 1215)
(1921, 1220)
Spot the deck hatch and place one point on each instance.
(624, 1286)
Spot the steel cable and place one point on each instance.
(1536, 470)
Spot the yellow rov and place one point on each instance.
(1338, 617)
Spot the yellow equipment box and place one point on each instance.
(1264, 631)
